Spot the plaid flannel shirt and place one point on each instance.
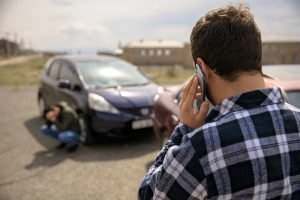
(249, 148)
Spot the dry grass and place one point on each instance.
(28, 73)
(167, 75)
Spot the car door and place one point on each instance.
(49, 85)
(69, 75)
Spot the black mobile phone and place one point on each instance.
(202, 83)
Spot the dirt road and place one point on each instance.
(31, 169)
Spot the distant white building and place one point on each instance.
(164, 52)
(154, 52)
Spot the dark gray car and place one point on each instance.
(111, 96)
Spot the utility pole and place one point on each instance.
(21, 42)
(6, 46)
(16, 45)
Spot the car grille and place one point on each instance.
(145, 111)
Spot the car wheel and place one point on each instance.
(86, 136)
(42, 106)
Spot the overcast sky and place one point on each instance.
(101, 24)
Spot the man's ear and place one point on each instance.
(203, 66)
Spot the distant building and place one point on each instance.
(156, 52)
(163, 52)
(8, 48)
(281, 52)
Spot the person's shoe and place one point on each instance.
(73, 148)
(61, 146)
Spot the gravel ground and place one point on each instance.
(32, 169)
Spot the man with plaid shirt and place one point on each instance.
(248, 146)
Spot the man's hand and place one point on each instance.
(188, 115)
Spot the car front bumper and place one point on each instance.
(120, 125)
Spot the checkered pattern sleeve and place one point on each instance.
(175, 139)
(175, 174)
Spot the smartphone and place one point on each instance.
(202, 83)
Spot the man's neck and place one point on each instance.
(245, 83)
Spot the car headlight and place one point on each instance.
(98, 103)
(160, 90)
(156, 97)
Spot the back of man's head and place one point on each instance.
(228, 41)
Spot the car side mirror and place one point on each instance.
(178, 96)
(64, 84)
(77, 88)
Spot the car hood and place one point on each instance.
(128, 97)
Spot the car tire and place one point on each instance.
(86, 136)
(42, 106)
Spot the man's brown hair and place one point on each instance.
(229, 41)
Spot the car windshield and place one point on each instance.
(110, 73)
(294, 98)
(282, 72)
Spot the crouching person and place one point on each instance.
(62, 124)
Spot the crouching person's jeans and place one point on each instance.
(68, 137)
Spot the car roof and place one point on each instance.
(284, 72)
(282, 65)
(174, 88)
(290, 85)
(82, 58)
(286, 85)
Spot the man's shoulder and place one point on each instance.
(67, 110)
(210, 131)
(292, 108)
(232, 129)
(65, 106)
(69, 114)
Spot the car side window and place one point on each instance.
(53, 70)
(66, 73)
